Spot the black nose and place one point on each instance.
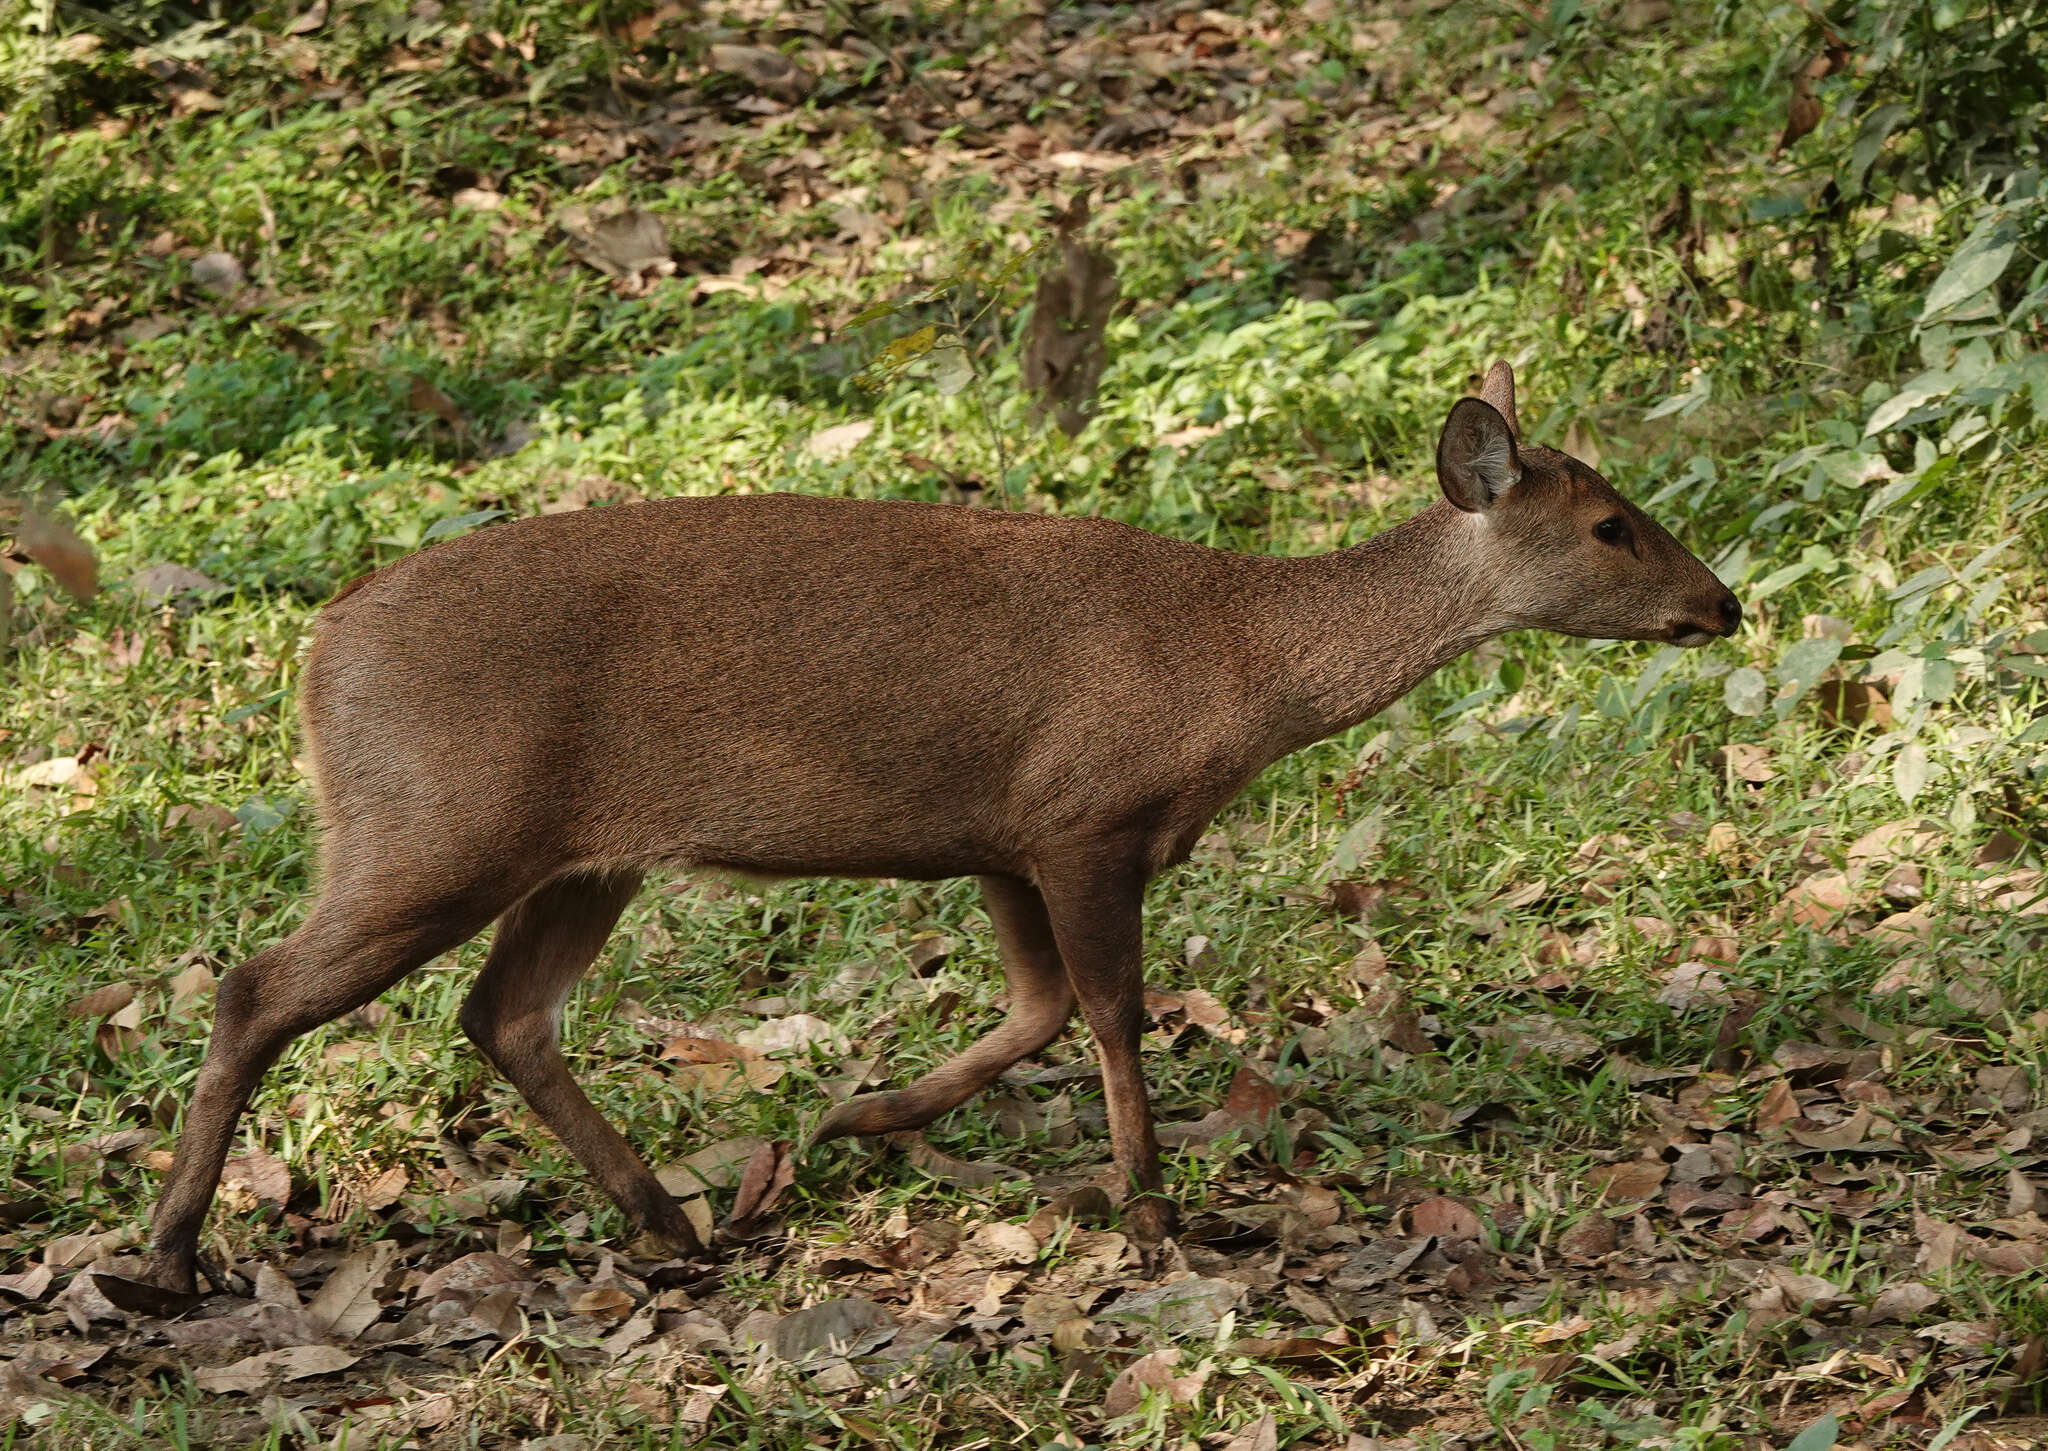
(1731, 615)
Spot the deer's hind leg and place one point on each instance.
(513, 1014)
(1041, 1001)
(370, 927)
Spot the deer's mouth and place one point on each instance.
(1693, 637)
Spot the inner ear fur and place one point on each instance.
(1476, 459)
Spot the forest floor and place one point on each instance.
(1609, 1046)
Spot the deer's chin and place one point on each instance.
(1693, 639)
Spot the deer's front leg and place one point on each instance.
(1097, 920)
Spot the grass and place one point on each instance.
(1300, 310)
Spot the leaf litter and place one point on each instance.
(1714, 1202)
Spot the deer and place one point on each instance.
(515, 725)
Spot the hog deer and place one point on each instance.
(514, 725)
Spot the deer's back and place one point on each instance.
(784, 683)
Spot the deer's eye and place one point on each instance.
(1613, 531)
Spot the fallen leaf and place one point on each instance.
(716, 1166)
(194, 981)
(794, 1034)
(1249, 1107)
(847, 1326)
(258, 1372)
(158, 583)
(1152, 1372)
(1188, 1306)
(69, 1251)
(625, 243)
(1893, 842)
(104, 1001)
(1819, 901)
(347, 1304)
(1066, 349)
(767, 70)
(1779, 1107)
(219, 273)
(1692, 985)
(308, 20)
(770, 1170)
(1901, 1300)
(263, 1177)
(1592, 1238)
(1445, 1218)
(1632, 1179)
(52, 543)
(1261, 1435)
(1746, 763)
(426, 398)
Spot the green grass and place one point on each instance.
(277, 448)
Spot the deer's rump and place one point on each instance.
(776, 683)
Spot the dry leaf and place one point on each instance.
(1191, 1305)
(715, 1166)
(1152, 1372)
(1632, 1179)
(426, 398)
(219, 273)
(347, 1304)
(1445, 1218)
(104, 1002)
(1066, 351)
(1261, 1435)
(766, 70)
(1746, 763)
(770, 1170)
(259, 1372)
(52, 543)
(157, 583)
(624, 244)
(263, 1177)
(1901, 1300)
(1693, 985)
(1592, 1238)
(847, 1326)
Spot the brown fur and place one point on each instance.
(514, 725)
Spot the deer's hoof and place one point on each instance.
(1151, 1220)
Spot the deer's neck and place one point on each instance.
(1352, 632)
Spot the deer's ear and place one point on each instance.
(1475, 458)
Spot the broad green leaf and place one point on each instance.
(1877, 126)
(1355, 845)
(1800, 666)
(874, 313)
(952, 369)
(1820, 1436)
(1925, 582)
(1777, 579)
(1909, 776)
(459, 524)
(1976, 265)
(1681, 403)
(1928, 386)
(1659, 666)
(1744, 691)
